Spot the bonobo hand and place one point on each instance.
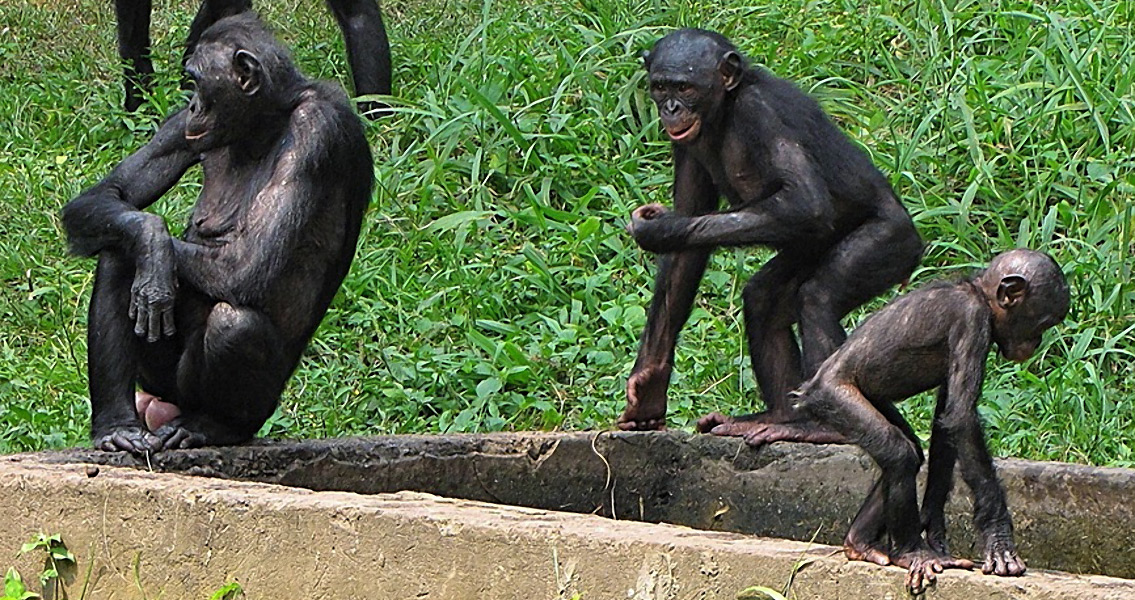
(644, 226)
(151, 299)
(1001, 556)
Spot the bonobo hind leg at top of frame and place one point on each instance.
(937, 336)
(794, 183)
(191, 340)
(364, 33)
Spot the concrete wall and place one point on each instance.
(171, 536)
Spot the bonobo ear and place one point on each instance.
(1011, 290)
(731, 68)
(645, 56)
(248, 71)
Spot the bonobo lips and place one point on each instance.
(195, 135)
(684, 134)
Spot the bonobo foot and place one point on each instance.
(646, 400)
(865, 551)
(765, 428)
(923, 566)
(134, 439)
(195, 431)
(153, 411)
(1001, 558)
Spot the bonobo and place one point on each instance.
(937, 336)
(794, 183)
(211, 326)
(368, 50)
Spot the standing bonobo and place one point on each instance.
(364, 34)
(937, 336)
(794, 183)
(211, 326)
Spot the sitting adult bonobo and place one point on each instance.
(211, 326)
(937, 336)
(794, 183)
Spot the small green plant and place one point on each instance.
(229, 591)
(758, 592)
(57, 556)
(14, 588)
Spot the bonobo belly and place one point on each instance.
(906, 373)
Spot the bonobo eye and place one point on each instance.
(656, 86)
(685, 88)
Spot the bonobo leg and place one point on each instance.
(133, 18)
(368, 50)
(675, 288)
(878, 255)
(229, 379)
(771, 299)
(208, 13)
(891, 446)
(939, 480)
(113, 352)
(990, 510)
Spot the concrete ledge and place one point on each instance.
(1068, 517)
(188, 535)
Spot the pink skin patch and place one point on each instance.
(153, 412)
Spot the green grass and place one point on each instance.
(494, 287)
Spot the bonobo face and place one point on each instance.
(691, 72)
(1029, 295)
(225, 80)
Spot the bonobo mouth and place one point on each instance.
(684, 134)
(195, 135)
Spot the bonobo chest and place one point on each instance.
(737, 170)
(227, 195)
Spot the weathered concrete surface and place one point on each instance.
(1068, 517)
(171, 536)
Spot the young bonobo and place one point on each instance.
(211, 326)
(937, 336)
(794, 183)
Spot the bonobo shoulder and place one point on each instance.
(324, 123)
(323, 104)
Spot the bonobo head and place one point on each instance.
(691, 72)
(1028, 294)
(242, 78)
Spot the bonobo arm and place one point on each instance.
(109, 216)
(245, 265)
(675, 287)
(969, 343)
(794, 207)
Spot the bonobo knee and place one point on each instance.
(816, 295)
(231, 330)
(759, 295)
(900, 455)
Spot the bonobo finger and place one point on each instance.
(914, 580)
(140, 321)
(168, 327)
(153, 326)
